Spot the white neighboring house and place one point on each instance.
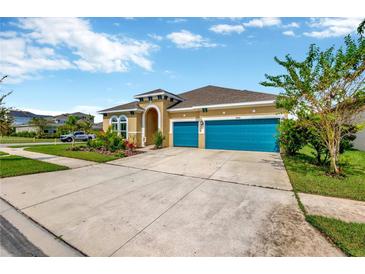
(359, 142)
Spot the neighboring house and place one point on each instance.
(97, 126)
(50, 129)
(22, 119)
(209, 117)
(62, 118)
(359, 142)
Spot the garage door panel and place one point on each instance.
(185, 134)
(252, 134)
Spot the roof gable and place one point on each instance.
(158, 92)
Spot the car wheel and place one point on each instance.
(69, 140)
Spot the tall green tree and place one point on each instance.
(86, 123)
(6, 120)
(325, 90)
(40, 123)
(361, 28)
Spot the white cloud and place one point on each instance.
(176, 20)
(227, 29)
(96, 51)
(24, 54)
(292, 25)
(155, 36)
(185, 39)
(263, 22)
(8, 34)
(332, 27)
(21, 61)
(289, 33)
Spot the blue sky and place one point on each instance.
(60, 65)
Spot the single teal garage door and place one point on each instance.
(250, 134)
(185, 134)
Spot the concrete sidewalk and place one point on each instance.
(343, 209)
(21, 237)
(58, 160)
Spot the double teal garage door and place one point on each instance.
(240, 134)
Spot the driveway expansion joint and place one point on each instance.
(204, 178)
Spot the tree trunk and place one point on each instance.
(333, 161)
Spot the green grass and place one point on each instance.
(61, 150)
(349, 237)
(309, 178)
(18, 140)
(3, 153)
(16, 165)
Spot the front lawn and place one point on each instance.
(16, 165)
(19, 140)
(350, 237)
(61, 150)
(309, 178)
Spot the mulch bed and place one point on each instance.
(126, 153)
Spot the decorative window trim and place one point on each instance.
(118, 122)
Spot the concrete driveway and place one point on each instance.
(172, 202)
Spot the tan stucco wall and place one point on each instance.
(164, 119)
(134, 125)
(135, 121)
(249, 111)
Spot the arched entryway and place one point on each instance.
(151, 118)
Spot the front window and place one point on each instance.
(114, 124)
(123, 126)
(120, 125)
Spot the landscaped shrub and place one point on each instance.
(109, 141)
(291, 136)
(295, 134)
(158, 139)
(95, 143)
(26, 134)
(130, 147)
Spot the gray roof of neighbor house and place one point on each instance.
(128, 106)
(65, 115)
(213, 95)
(23, 113)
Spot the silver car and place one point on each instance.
(77, 136)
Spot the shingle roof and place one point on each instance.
(131, 105)
(22, 113)
(213, 95)
(204, 96)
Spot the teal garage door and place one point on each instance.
(250, 134)
(185, 134)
